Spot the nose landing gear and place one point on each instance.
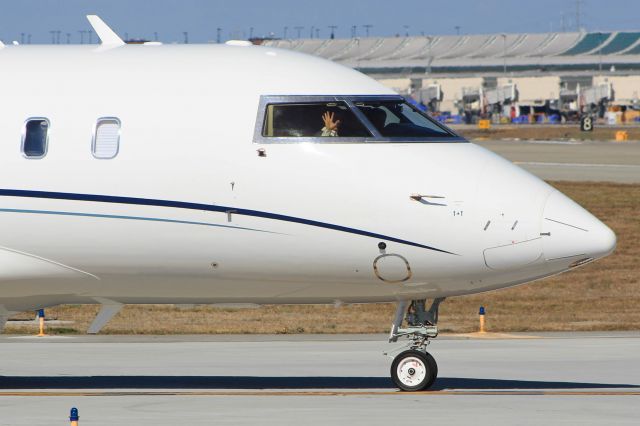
(413, 368)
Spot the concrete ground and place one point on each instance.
(570, 378)
(573, 160)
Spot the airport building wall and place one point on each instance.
(626, 88)
(534, 90)
(452, 90)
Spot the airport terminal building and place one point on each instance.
(541, 77)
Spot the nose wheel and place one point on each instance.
(414, 370)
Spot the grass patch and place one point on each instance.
(63, 330)
(547, 132)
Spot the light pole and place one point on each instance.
(578, 14)
(457, 27)
(406, 30)
(504, 53)
(298, 29)
(600, 34)
(429, 58)
(285, 33)
(333, 31)
(218, 35)
(367, 27)
(82, 33)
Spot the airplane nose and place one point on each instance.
(569, 230)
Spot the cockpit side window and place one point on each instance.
(399, 119)
(345, 119)
(312, 119)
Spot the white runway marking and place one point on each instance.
(554, 142)
(538, 163)
(47, 337)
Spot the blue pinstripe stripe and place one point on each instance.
(206, 207)
(149, 219)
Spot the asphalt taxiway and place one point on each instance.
(586, 378)
(573, 160)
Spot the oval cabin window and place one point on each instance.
(35, 137)
(106, 138)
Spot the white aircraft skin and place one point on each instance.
(152, 224)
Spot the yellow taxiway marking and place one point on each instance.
(322, 393)
(497, 336)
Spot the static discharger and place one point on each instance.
(482, 312)
(74, 418)
(41, 333)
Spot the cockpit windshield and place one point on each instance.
(346, 119)
(398, 119)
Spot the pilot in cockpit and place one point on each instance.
(330, 126)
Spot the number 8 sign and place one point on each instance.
(586, 124)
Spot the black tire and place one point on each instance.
(434, 369)
(413, 370)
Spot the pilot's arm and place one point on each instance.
(330, 127)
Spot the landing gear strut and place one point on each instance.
(413, 368)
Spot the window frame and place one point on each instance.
(94, 137)
(24, 138)
(351, 101)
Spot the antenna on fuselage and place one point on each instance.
(107, 36)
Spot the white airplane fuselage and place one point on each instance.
(188, 212)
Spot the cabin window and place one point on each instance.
(397, 119)
(106, 138)
(35, 137)
(312, 119)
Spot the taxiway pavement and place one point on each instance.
(573, 160)
(590, 378)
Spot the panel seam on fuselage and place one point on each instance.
(53, 262)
